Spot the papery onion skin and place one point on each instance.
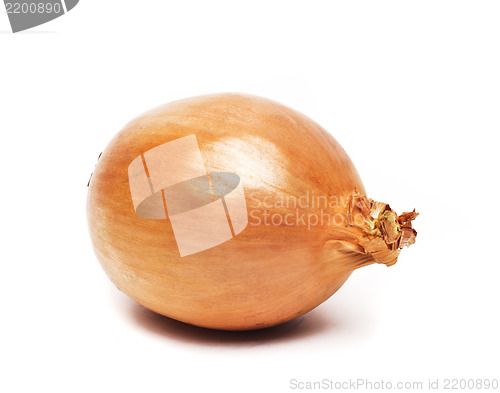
(267, 274)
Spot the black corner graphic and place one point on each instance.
(25, 14)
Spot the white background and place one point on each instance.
(410, 89)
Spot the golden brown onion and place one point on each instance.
(234, 212)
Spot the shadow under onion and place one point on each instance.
(302, 327)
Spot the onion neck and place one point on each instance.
(374, 233)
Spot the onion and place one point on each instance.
(234, 212)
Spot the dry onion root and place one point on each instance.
(307, 225)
